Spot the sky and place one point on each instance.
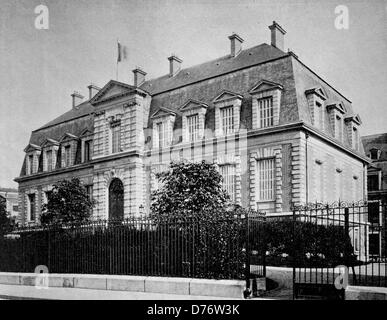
(40, 68)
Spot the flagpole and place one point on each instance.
(117, 61)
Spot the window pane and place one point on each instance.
(193, 127)
(31, 198)
(265, 179)
(228, 174)
(266, 112)
(67, 156)
(227, 119)
(49, 160)
(87, 150)
(31, 164)
(116, 138)
(373, 182)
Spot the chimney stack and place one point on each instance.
(174, 65)
(277, 36)
(77, 98)
(93, 89)
(138, 76)
(236, 44)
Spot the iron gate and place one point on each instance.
(338, 245)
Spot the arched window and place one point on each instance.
(116, 199)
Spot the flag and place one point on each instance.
(121, 52)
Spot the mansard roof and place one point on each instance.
(376, 141)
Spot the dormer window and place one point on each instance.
(49, 160)
(193, 128)
(33, 153)
(30, 164)
(67, 156)
(374, 154)
(193, 117)
(316, 97)
(163, 122)
(227, 116)
(87, 151)
(339, 128)
(355, 138)
(266, 112)
(227, 112)
(266, 104)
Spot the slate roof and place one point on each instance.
(236, 74)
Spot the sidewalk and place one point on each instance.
(31, 292)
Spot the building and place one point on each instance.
(375, 147)
(279, 133)
(10, 197)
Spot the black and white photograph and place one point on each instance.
(228, 153)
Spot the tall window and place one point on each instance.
(318, 115)
(228, 173)
(339, 128)
(162, 133)
(227, 118)
(87, 151)
(32, 212)
(355, 139)
(116, 137)
(31, 164)
(67, 155)
(374, 153)
(266, 112)
(265, 179)
(193, 127)
(49, 160)
(89, 191)
(373, 182)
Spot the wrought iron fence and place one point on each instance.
(350, 235)
(135, 246)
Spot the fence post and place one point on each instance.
(247, 258)
(294, 252)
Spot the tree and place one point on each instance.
(68, 202)
(192, 201)
(189, 190)
(5, 221)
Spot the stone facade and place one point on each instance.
(309, 160)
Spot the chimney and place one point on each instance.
(93, 89)
(174, 65)
(236, 44)
(277, 36)
(77, 98)
(138, 76)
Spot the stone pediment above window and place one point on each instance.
(68, 137)
(226, 95)
(227, 113)
(318, 91)
(265, 85)
(114, 90)
(163, 112)
(32, 147)
(192, 105)
(355, 118)
(86, 133)
(49, 143)
(339, 106)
